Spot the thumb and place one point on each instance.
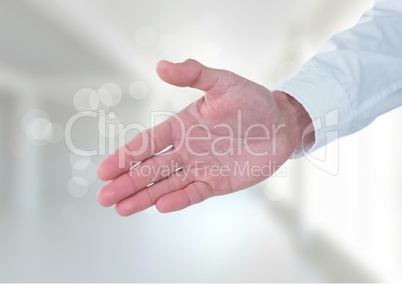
(191, 73)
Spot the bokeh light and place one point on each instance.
(78, 162)
(86, 99)
(39, 129)
(110, 94)
(31, 115)
(108, 125)
(55, 132)
(139, 89)
(85, 176)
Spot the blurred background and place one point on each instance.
(337, 222)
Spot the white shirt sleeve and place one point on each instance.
(355, 77)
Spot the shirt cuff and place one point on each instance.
(324, 100)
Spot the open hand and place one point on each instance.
(233, 137)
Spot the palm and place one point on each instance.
(231, 138)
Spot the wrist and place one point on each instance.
(297, 120)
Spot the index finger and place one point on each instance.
(143, 146)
